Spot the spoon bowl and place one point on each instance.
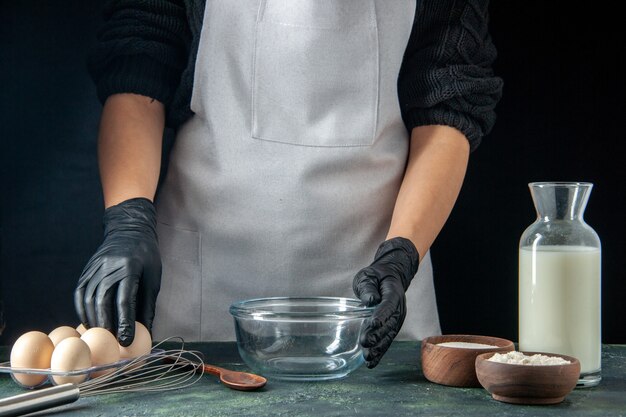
(242, 381)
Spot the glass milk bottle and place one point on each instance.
(559, 278)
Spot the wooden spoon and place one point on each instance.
(242, 381)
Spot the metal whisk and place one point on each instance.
(159, 371)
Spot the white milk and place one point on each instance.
(559, 302)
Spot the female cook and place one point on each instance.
(312, 137)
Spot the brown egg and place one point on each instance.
(71, 354)
(81, 329)
(61, 333)
(142, 344)
(104, 348)
(31, 350)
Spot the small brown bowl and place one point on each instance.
(454, 366)
(528, 384)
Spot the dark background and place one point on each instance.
(561, 118)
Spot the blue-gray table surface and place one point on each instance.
(395, 388)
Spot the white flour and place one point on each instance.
(518, 358)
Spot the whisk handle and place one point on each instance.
(42, 399)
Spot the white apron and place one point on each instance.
(284, 181)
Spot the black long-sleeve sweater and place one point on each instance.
(149, 47)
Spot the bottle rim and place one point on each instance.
(560, 184)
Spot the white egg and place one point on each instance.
(31, 350)
(104, 348)
(71, 354)
(142, 343)
(61, 333)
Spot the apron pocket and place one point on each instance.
(179, 303)
(315, 72)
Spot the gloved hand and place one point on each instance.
(121, 281)
(384, 284)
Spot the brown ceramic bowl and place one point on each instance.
(528, 384)
(454, 366)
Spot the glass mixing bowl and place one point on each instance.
(304, 339)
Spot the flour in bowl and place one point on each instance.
(518, 358)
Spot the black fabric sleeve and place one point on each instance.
(446, 76)
(142, 48)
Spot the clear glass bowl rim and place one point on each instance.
(258, 307)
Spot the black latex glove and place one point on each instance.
(384, 284)
(121, 281)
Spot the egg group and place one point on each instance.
(66, 349)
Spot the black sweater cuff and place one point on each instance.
(138, 74)
(445, 117)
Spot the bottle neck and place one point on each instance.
(560, 201)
